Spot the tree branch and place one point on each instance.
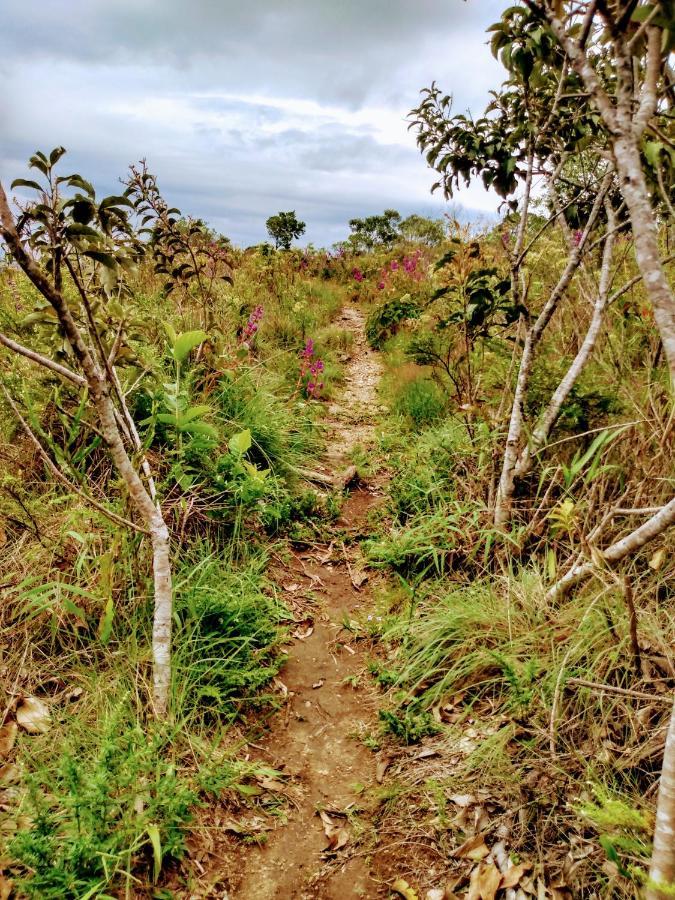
(58, 474)
(63, 371)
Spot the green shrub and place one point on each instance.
(422, 402)
(384, 320)
(409, 725)
(226, 647)
(104, 807)
(282, 434)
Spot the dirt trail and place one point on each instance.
(329, 699)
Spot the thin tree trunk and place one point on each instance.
(649, 530)
(546, 422)
(645, 235)
(506, 489)
(662, 869)
(625, 130)
(163, 615)
(99, 388)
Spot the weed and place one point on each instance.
(104, 806)
(421, 402)
(409, 725)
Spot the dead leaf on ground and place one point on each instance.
(489, 880)
(278, 683)
(33, 715)
(337, 833)
(474, 848)
(426, 754)
(657, 559)
(511, 878)
(303, 633)
(270, 784)
(292, 588)
(402, 887)
(462, 800)
(7, 737)
(485, 881)
(5, 888)
(75, 694)
(359, 578)
(9, 773)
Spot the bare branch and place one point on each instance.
(652, 528)
(63, 371)
(649, 96)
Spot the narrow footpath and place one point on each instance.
(314, 741)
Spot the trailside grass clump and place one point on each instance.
(227, 646)
(103, 811)
(507, 695)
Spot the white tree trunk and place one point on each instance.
(645, 236)
(514, 439)
(662, 870)
(99, 387)
(546, 422)
(163, 615)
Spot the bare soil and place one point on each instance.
(314, 741)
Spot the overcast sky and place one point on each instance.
(244, 108)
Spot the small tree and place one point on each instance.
(375, 231)
(284, 228)
(420, 229)
(75, 249)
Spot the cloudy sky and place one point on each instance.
(244, 108)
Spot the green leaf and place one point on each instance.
(25, 182)
(240, 443)
(114, 200)
(77, 229)
(171, 332)
(201, 428)
(56, 155)
(194, 412)
(82, 183)
(106, 621)
(106, 259)
(186, 342)
(153, 834)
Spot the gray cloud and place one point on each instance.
(242, 109)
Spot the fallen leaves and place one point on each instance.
(7, 738)
(305, 630)
(485, 882)
(33, 716)
(512, 877)
(473, 848)
(383, 764)
(337, 833)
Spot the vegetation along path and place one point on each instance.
(314, 740)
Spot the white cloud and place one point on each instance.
(301, 107)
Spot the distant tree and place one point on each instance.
(284, 228)
(374, 231)
(422, 230)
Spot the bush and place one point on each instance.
(226, 649)
(384, 320)
(422, 402)
(101, 809)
